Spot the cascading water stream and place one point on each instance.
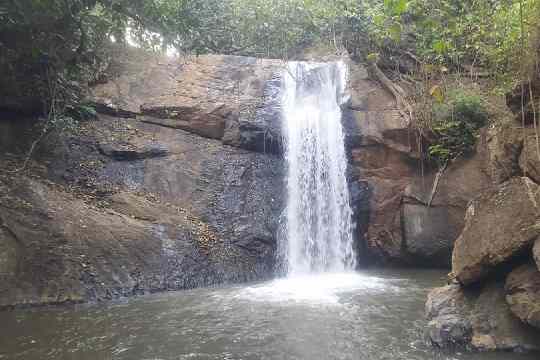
(318, 235)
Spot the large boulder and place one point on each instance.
(500, 224)
(477, 319)
(523, 293)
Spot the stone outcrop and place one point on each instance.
(236, 100)
(175, 185)
(229, 98)
(477, 319)
(494, 302)
(500, 224)
(400, 224)
(212, 217)
(404, 226)
(448, 326)
(194, 213)
(430, 231)
(203, 134)
(523, 293)
(505, 146)
(386, 172)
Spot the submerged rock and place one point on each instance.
(500, 224)
(523, 293)
(477, 319)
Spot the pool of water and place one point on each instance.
(372, 315)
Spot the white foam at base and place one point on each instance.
(314, 288)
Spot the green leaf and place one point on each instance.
(400, 6)
(439, 47)
(395, 32)
(396, 7)
(372, 58)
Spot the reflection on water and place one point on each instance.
(365, 316)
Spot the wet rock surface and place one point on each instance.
(204, 134)
(496, 281)
(236, 100)
(175, 185)
(448, 326)
(197, 214)
(477, 319)
(523, 294)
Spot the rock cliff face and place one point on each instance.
(401, 229)
(179, 182)
(175, 185)
(493, 302)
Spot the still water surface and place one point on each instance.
(372, 315)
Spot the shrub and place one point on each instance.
(456, 124)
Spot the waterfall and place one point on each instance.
(318, 230)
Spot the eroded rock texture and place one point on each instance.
(199, 138)
(477, 319)
(230, 98)
(500, 225)
(494, 303)
(523, 293)
(236, 100)
(176, 184)
(407, 225)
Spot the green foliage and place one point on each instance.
(82, 111)
(52, 48)
(66, 40)
(252, 27)
(488, 34)
(48, 48)
(456, 125)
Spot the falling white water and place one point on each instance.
(318, 235)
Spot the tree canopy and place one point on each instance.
(66, 41)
